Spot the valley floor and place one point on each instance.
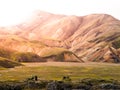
(56, 70)
(70, 64)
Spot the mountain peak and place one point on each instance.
(86, 36)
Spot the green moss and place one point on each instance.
(19, 56)
(25, 57)
(94, 71)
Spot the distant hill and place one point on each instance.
(94, 37)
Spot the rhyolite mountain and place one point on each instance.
(94, 37)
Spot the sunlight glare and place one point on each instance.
(17, 11)
(14, 11)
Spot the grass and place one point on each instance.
(26, 57)
(97, 71)
(19, 56)
(6, 63)
(46, 52)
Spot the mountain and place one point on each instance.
(94, 37)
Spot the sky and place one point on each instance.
(16, 11)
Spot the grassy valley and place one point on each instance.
(84, 75)
(56, 70)
(67, 51)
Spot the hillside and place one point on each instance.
(6, 63)
(23, 50)
(94, 37)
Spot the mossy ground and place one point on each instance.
(50, 72)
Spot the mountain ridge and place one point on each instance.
(86, 36)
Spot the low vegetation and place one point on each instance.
(26, 57)
(50, 72)
(20, 56)
(46, 52)
(6, 63)
(64, 84)
(90, 76)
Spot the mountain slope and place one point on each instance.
(23, 50)
(89, 37)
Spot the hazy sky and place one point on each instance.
(15, 11)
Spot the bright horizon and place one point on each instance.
(16, 11)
